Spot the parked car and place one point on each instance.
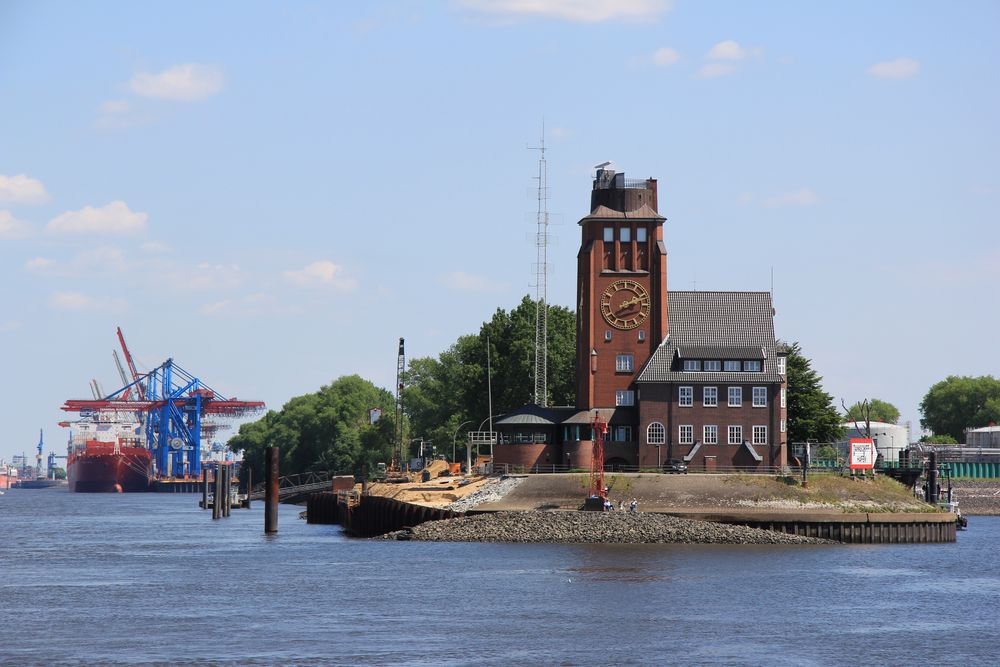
(676, 466)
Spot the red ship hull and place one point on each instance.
(102, 469)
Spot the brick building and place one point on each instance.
(697, 376)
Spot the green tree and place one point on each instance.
(957, 403)
(874, 410)
(326, 430)
(442, 394)
(811, 412)
(939, 439)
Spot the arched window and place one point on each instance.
(656, 434)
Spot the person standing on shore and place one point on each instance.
(634, 506)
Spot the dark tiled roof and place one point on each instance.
(535, 414)
(608, 416)
(731, 320)
(644, 212)
(719, 352)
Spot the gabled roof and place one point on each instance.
(715, 321)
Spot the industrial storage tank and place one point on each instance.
(890, 439)
(987, 436)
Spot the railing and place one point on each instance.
(298, 483)
(555, 468)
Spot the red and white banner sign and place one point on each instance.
(862, 453)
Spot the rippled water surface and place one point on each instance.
(150, 578)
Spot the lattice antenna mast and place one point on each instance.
(541, 277)
(399, 457)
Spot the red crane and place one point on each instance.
(597, 489)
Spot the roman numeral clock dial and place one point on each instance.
(625, 304)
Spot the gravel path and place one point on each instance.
(591, 527)
(492, 491)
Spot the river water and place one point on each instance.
(151, 579)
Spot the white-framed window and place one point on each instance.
(609, 234)
(781, 365)
(607, 335)
(624, 397)
(752, 365)
(784, 398)
(621, 434)
(642, 335)
(735, 397)
(640, 234)
(760, 435)
(692, 365)
(685, 397)
(731, 365)
(625, 363)
(760, 397)
(735, 435)
(783, 425)
(710, 396)
(713, 365)
(656, 434)
(711, 434)
(625, 235)
(685, 434)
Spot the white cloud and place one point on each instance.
(713, 70)
(205, 276)
(466, 282)
(665, 57)
(900, 68)
(101, 258)
(182, 83)
(728, 50)
(114, 218)
(11, 227)
(583, 11)
(21, 189)
(39, 264)
(77, 301)
(322, 274)
(800, 197)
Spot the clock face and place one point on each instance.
(625, 304)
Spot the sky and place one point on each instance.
(273, 193)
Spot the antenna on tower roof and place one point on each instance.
(541, 276)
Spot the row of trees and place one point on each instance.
(332, 429)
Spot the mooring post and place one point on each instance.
(227, 483)
(271, 491)
(204, 488)
(246, 501)
(217, 499)
(932, 478)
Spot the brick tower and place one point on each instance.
(621, 290)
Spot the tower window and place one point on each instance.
(607, 334)
(640, 234)
(781, 365)
(642, 335)
(624, 397)
(625, 235)
(609, 234)
(625, 363)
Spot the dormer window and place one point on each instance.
(752, 365)
(731, 365)
(692, 365)
(713, 365)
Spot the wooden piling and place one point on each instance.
(271, 491)
(217, 499)
(204, 488)
(227, 481)
(246, 501)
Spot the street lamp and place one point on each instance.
(455, 437)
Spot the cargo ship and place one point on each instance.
(108, 457)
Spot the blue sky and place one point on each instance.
(273, 193)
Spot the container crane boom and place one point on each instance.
(131, 365)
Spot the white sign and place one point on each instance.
(862, 453)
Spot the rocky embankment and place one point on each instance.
(493, 490)
(591, 527)
(978, 497)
